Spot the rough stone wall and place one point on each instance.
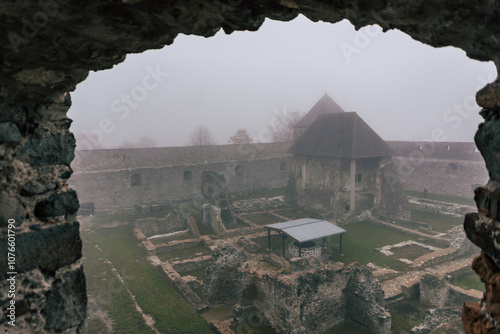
(131, 158)
(323, 185)
(434, 290)
(211, 216)
(111, 189)
(314, 301)
(365, 301)
(222, 280)
(437, 176)
(319, 184)
(37, 221)
(107, 183)
(436, 150)
(173, 222)
(392, 201)
(49, 47)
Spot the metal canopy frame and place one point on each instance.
(304, 229)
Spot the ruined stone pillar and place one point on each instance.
(352, 198)
(483, 228)
(41, 274)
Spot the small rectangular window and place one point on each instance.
(358, 177)
(135, 180)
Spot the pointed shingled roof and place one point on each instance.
(341, 135)
(325, 105)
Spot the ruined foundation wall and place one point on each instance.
(315, 301)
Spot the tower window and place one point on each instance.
(358, 177)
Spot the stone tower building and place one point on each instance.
(341, 167)
(325, 105)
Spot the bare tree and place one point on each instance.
(241, 137)
(201, 136)
(88, 141)
(143, 142)
(281, 128)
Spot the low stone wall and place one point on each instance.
(436, 292)
(459, 296)
(440, 320)
(249, 245)
(442, 208)
(221, 327)
(258, 204)
(191, 223)
(430, 239)
(434, 258)
(153, 226)
(309, 300)
(314, 251)
(171, 275)
(192, 282)
(414, 224)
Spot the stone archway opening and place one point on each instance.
(37, 146)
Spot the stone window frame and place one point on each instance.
(283, 166)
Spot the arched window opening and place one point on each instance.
(238, 171)
(451, 168)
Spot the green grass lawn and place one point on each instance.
(349, 327)
(254, 328)
(405, 315)
(183, 254)
(198, 273)
(153, 293)
(468, 281)
(410, 252)
(296, 213)
(439, 223)
(264, 219)
(276, 243)
(360, 243)
(128, 216)
(444, 197)
(263, 193)
(239, 224)
(110, 294)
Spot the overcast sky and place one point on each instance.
(402, 88)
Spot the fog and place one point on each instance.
(403, 89)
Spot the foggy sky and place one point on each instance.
(403, 89)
